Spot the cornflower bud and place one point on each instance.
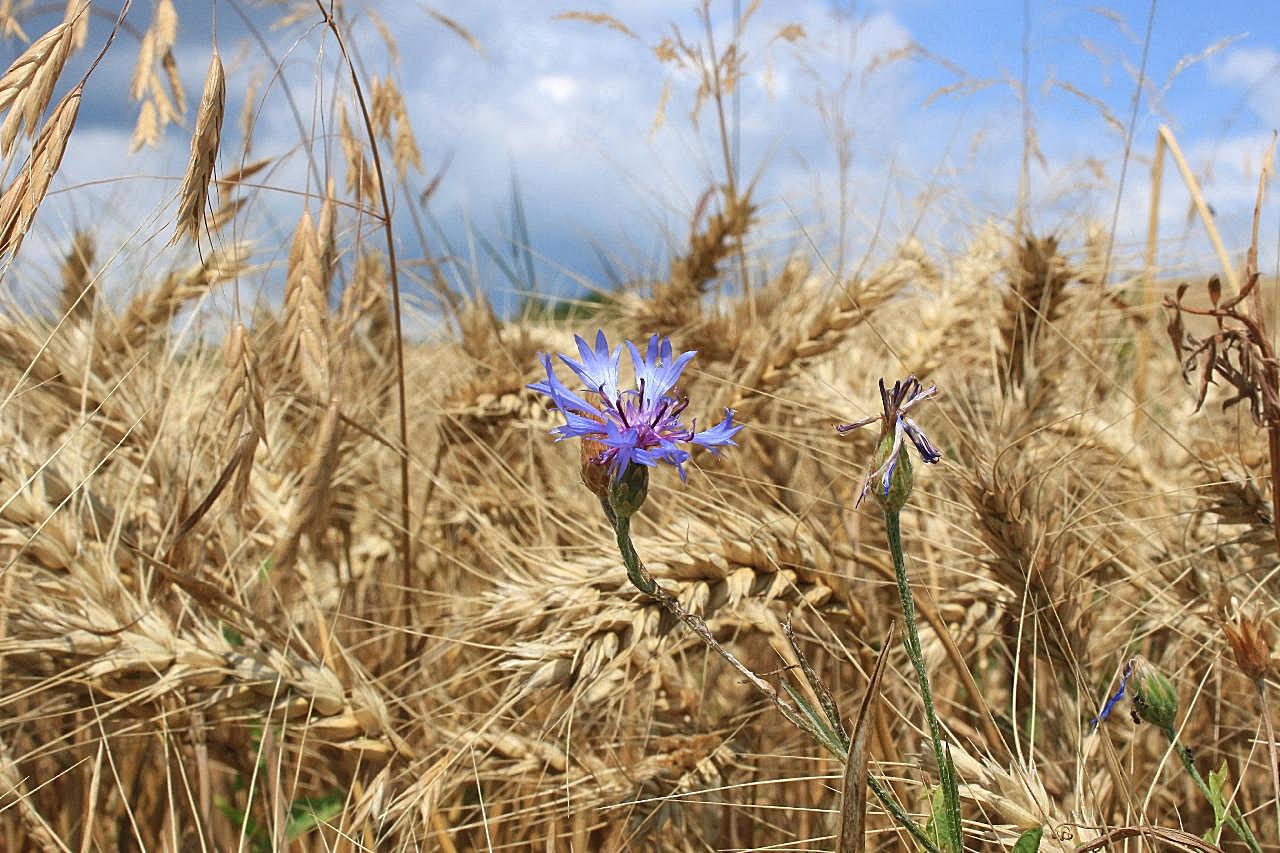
(1153, 695)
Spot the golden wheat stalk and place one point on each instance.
(158, 109)
(311, 511)
(77, 276)
(21, 200)
(305, 340)
(27, 86)
(193, 196)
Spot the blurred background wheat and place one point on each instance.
(288, 561)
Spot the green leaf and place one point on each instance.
(232, 636)
(818, 726)
(939, 827)
(1029, 841)
(309, 812)
(1217, 799)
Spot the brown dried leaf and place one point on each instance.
(853, 805)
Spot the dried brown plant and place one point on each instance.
(160, 107)
(27, 86)
(22, 198)
(193, 195)
(1034, 301)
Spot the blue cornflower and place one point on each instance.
(639, 426)
(895, 423)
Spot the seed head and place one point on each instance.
(1250, 645)
(890, 462)
(1153, 695)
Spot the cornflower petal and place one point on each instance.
(578, 426)
(1115, 697)
(599, 368)
(919, 396)
(843, 428)
(657, 373)
(565, 400)
(928, 452)
(718, 436)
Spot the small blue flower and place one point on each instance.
(639, 426)
(894, 421)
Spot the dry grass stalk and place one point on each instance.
(245, 422)
(27, 86)
(677, 303)
(77, 14)
(816, 326)
(148, 315)
(228, 183)
(386, 106)
(10, 25)
(304, 345)
(310, 513)
(362, 179)
(21, 200)
(160, 108)
(13, 793)
(78, 293)
(193, 195)
(365, 299)
(1034, 300)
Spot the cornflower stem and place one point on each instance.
(911, 640)
(1271, 745)
(1273, 456)
(1233, 817)
(645, 582)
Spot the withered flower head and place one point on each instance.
(890, 462)
(1250, 645)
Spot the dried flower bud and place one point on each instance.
(1250, 646)
(890, 473)
(595, 473)
(1153, 695)
(627, 494)
(901, 477)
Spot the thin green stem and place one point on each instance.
(911, 639)
(645, 582)
(1233, 817)
(904, 820)
(636, 573)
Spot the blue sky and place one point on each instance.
(936, 135)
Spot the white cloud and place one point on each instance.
(558, 87)
(1256, 70)
(1246, 66)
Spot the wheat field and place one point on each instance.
(306, 571)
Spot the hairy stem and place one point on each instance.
(1234, 819)
(911, 639)
(1273, 449)
(1265, 706)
